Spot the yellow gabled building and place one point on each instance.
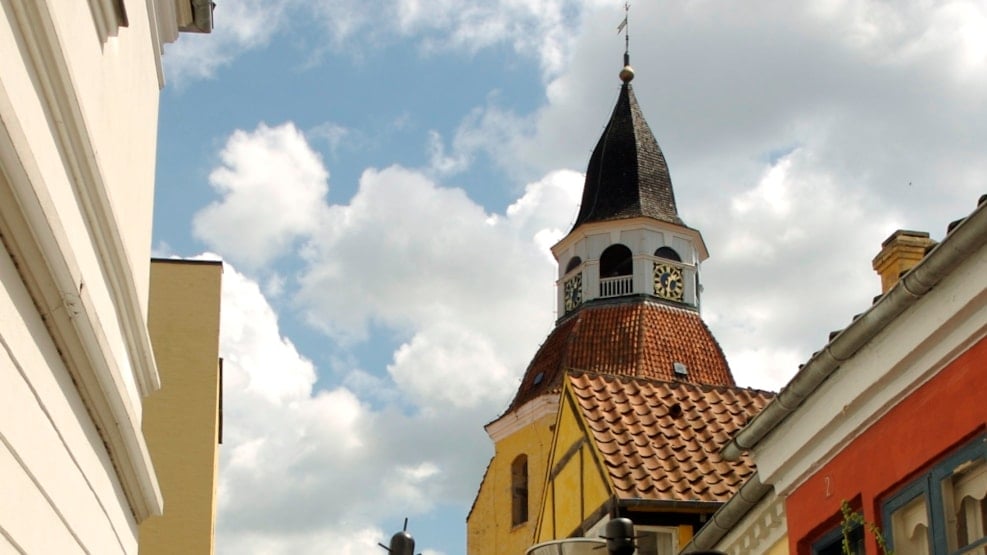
(576, 485)
(501, 519)
(182, 420)
(643, 449)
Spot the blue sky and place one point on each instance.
(384, 180)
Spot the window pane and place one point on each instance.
(832, 543)
(964, 496)
(910, 528)
(655, 543)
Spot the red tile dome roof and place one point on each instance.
(630, 336)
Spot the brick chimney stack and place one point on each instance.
(899, 253)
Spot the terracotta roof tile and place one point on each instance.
(661, 453)
(634, 336)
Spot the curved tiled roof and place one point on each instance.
(661, 440)
(627, 174)
(630, 336)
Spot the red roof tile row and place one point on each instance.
(660, 440)
(632, 337)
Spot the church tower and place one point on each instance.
(628, 297)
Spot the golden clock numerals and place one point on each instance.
(573, 292)
(668, 282)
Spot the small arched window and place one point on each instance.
(519, 490)
(574, 263)
(616, 260)
(668, 253)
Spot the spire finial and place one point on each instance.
(627, 73)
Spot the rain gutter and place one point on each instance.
(706, 507)
(969, 235)
(729, 515)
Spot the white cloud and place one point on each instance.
(439, 162)
(434, 268)
(425, 254)
(289, 448)
(542, 29)
(339, 539)
(267, 365)
(240, 26)
(799, 136)
(798, 230)
(272, 186)
(335, 135)
(446, 365)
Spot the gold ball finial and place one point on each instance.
(627, 74)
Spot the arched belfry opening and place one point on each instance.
(574, 263)
(616, 260)
(668, 253)
(616, 271)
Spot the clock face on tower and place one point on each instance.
(572, 292)
(668, 282)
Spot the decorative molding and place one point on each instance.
(75, 144)
(33, 233)
(759, 530)
(615, 227)
(108, 16)
(905, 355)
(162, 21)
(525, 415)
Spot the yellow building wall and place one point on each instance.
(181, 420)
(576, 487)
(685, 534)
(779, 548)
(489, 530)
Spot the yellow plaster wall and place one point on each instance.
(181, 420)
(488, 527)
(577, 488)
(685, 534)
(779, 548)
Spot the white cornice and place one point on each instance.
(75, 144)
(525, 415)
(163, 27)
(761, 528)
(592, 228)
(905, 355)
(34, 235)
(107, 17)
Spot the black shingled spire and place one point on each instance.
(627, 174)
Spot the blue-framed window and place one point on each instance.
(943, 512)
(831, 543)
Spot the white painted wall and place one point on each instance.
(910, 351)
(643, 236)
(60, 490)
(78, 129)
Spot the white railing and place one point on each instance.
(616, 286)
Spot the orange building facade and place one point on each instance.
(945, 417)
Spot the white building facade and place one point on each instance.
(79, 90)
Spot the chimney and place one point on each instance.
(899, 253)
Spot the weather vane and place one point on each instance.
(623, 27)
(627, 72)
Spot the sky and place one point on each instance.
(383, 180)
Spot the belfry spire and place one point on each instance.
(627, 175)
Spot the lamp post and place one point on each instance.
(402, 543)
(620, 536)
